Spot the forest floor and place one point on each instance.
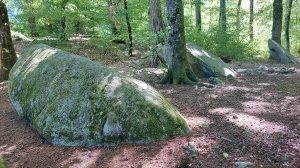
(254, 119)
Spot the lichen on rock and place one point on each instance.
(74, 101)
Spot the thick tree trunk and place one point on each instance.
(277, 21)
(8, 55)
(198, 13)
(287, 24)
(157, 26)
(179, 70)
(222, 18)
(238, 18)
(251, 21)
(128, 28)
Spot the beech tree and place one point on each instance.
(8, 55)
(157, 26)
(287, 24)
(222, 18)
(238, 18)
(128, 28)
(63, 35)
(251, 21)
(277, 21)
(179, 70)
(198, 13)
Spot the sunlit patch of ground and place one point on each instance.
(81, 159)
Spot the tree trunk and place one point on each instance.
(287, 24)
(32, 26)
(157, 26)
(198, 13)
(179, 70)
(113, 12)
(238, 19)
(8, 55)
(277, 21)
(222, 18)
(63, 35)
(77, 27)
(128, 28)
(251, 21)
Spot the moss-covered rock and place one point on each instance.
(72, 101)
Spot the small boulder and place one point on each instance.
(73, 101)
(279, 54)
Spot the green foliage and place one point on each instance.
(204, 125)
(3, 164)
(225, 44)
(101, 43)
(156, 44)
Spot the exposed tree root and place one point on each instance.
(188, 78)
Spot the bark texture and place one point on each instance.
(251, 21)
(277, 21)
(128, 28)
(32, 26)
(113, 10)
(238, 18)
(7, 51)
(287, 24)
(63, 35)
(198, 13)
(157, 26)
(179, 70)
(223, 15)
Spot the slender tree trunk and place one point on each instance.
(129, 28)
(277, 21)
(113, 11)
(63, 35)
(287, 24)
(77, 27)
(157, 26)
(198, 13)
(238, 18)
(32, 26)
(179, 70)
(222, 18)
(251, 21)
(8, 55)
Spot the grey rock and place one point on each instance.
(191, 148)
(241, 70)
(73, 101)
(279, 54)
(216, 81)
(244, 164)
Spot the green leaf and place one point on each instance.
(225, 155)
(204, 125)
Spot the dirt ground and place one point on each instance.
(254, 118)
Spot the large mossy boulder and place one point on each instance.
(205, 64)
(74, 101)
(279, 54)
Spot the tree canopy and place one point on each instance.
(94, 18)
